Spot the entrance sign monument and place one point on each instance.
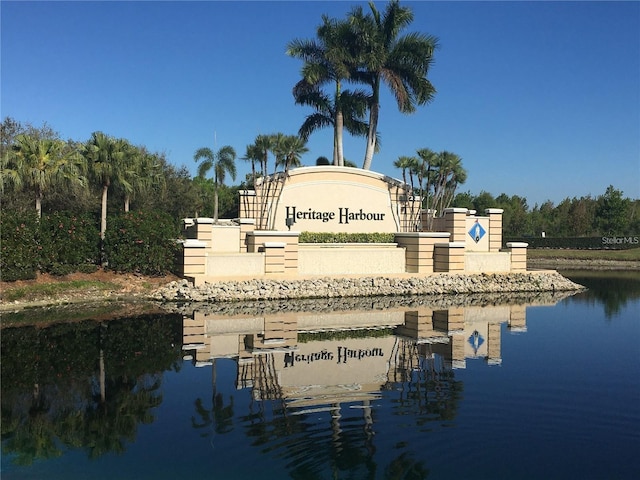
(264, 239)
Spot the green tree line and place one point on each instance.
(608, 214)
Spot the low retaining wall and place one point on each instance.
(325, 287)
(357, 259)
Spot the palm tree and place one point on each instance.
(263, 145)
(344, 111)
(328, 61)
(222, 162)
(106, 157)
(143, 171)
(402, 63)
(41, 163)
(449, 175)
(289, 151)
(405, 163)
(252, 155)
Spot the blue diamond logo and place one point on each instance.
(477, 232)
(475, 340)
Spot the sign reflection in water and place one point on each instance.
(320, 361)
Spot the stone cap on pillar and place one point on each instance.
(455, 210)
(493, 211)
(517, 245)
(193, 243)
(451, 244)
(423, 234)
(203, 220)
(274, 233)
(274, 245)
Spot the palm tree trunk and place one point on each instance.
(215, 202)
(371, 136)
(126, 203)
(339, 129)
(103, 220)
(39, 203)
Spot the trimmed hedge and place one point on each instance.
(141, 242)
(62, 243)
(19, 249)
(320, 237)
(69, 243)
(580, 243)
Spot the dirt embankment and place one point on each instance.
(78, 288)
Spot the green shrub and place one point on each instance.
(321, 237)
(69, 243)
(141, 242)
(18, 246)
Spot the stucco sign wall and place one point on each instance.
(339, 199)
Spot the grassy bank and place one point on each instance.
(78, 286)
(630, 255)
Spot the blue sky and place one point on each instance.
(540, 99)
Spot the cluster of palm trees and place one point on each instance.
(42, 164)
(286, 149)
(368, 49)
(433, 175)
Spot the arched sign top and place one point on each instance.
(335, 199)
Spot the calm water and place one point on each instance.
(539, 387)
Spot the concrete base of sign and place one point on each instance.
(220, 264)
(487, 262)
(336, 259)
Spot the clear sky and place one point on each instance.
(540, 99)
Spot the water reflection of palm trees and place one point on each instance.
(83, 385)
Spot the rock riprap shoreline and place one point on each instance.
(337, 287)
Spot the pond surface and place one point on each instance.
(542, 387)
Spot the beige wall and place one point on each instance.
(338, 259)
(338, 199)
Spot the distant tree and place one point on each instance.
(322, 161)
(483, 201)
(222, 162)
(463, 200)
(612, 212)
(514, 217)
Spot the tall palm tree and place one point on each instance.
(345, 111)
(400, 62)
(106, 158)
(328, 61)
(41, 163)
(222, 162)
